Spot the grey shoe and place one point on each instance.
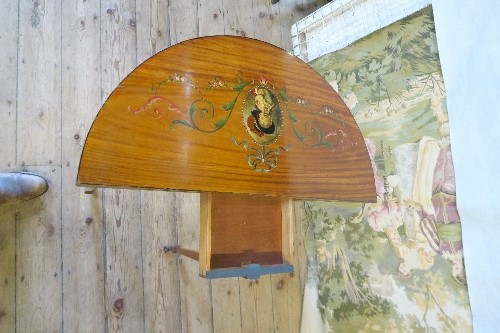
(20, 186)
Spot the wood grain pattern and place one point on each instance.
(257, 305)
(205, 248)
(124, 283)
(162, 310)
(211, 17)
(286, 288)
(39, 88)
(152, 24)
(183, 19)
(300, 254)
(8, 74)
(38, 267)
(124, 296)
(157, 129)
(285, 304)
(237, 20)
(8, 103)
(245, 223)
(8, 268)
(160, 274)
(195, 297)
(83, 230)
(226, 300)
(239, 229)
(195, 292)
(62, 60)
(266, 19)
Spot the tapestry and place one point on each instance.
(395, 265)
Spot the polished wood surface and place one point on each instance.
(242, 229)
(189, 119)
(83, 260)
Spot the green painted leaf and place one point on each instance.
(320, 134)
(229, 105)
(298, 134)
(244, 143)
(220, 123)
(192, 110)
(325, 144)
(292, 116)
(181, 122)
(239, 86)
(284, 96)
(280, 149)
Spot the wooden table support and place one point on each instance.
(182, 251)
(245, 124)
(246, 270)
(243, 235)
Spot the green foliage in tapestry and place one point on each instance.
(378, 268)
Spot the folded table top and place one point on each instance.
(228, 114)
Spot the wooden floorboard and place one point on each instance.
(153, 27)
(38, 259)
(8, 217)
(91, 260)
(124, 281)
(286, 292)
(82, 214)
(226, 307)
(39, 84)
(196, 300)
(256, 305)
(162, 308)
(8, 73)
(8, 114)
(267, 22)
(124, 295)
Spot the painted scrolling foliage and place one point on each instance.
(266, 110)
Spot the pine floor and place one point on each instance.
(91, 260)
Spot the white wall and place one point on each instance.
(468, 35)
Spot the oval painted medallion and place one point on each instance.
(262, 115)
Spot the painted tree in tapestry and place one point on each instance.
(395, 265)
